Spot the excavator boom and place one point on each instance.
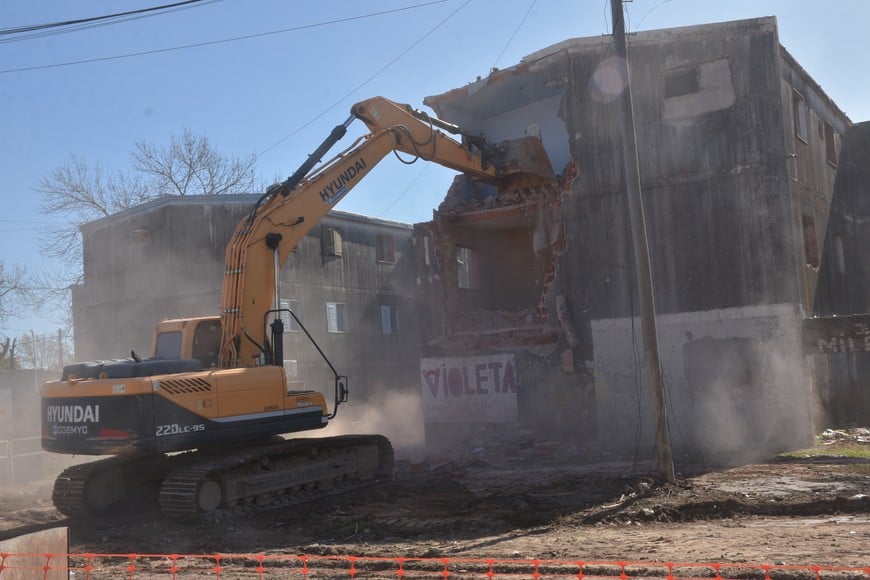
(288, 211)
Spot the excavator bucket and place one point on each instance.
(524, 156)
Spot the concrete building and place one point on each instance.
(738, 152)
(350, 282)
(843, 378)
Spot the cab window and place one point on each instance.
(207, 343)
(168, 345)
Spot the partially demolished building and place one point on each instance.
(530, 304)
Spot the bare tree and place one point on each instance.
(40, 351)
(79, 193)
(7, 353)
(14, 291)
(191, 166)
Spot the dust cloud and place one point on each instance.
(396, 415)
(748, 401)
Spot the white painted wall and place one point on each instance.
(715, 420)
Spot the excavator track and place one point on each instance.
(274, 475)
(109, 486)
(212, 483)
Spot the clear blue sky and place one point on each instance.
(248, 95)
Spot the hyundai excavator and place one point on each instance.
(196, 428)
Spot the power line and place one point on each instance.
(367, 81)
(34, 27)
(407, 189)
(31, 222)
(511, 39)
(221, 41)
(88, 26)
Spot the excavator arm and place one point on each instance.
(289, 210)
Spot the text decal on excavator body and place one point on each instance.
(337, 188)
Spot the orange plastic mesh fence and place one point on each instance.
(230, 566)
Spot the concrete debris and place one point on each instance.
(854, 435)
(479, 320)
(491, 445)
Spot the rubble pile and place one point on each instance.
(480, 320)
(490, 446)
(853, 435)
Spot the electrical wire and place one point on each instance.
(511, 39)
(100, 24)
(224, 40)
(405, 192)
(34, 27)
(649, 12)
(347, 95)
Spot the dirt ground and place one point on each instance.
(543, 504)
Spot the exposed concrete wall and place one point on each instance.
(843, 379)
(813, 153)
(713, 172)
(735, 380)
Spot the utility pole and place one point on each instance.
(631, 169)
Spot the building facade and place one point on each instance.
(738, 151)
(843, 378)
(350, 281)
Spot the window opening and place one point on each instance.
(332, 241)
(830, 144)
(336, 317)
(389, 319)
(811, 244)
(385, 248)
(799, 110)
(467, 268)
(681, 82)
(290, 324)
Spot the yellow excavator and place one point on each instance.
(194, 429)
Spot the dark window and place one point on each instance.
(389, 319)
(830, 144)
(811, 243)
(385, 247)
(168, 345)
(290, 324)
(336, 317)
(799, 111)
(681, 82)
(332, 242)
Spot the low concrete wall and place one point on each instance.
(736, 384)
(38, 555)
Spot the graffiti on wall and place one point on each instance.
(469, 389)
